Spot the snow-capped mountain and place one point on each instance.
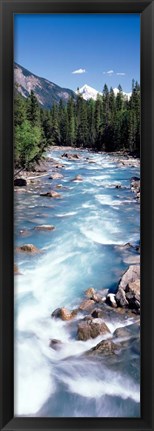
(116, 91)
(88, 92)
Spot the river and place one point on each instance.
(91, 219)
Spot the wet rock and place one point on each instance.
(51, 194)
(28, 248)
(78, 178)
(71, 156)
(133, 259)
(86, 305)
(56, 313)
(44, 228)
(110, 300)
(128, 293)
(64, 314)
(90, 292)
(91, 329)
(55, 344)
(97, 313)
(16, 270)
(118, 186)
(105, 347)
(55, 176)
(132, 274)
(20, 182)
(121, 298)
(121, 333)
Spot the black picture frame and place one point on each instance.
(7, 10)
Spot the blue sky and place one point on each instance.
(100, 48)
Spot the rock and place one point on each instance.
(55, 176)
(128, 293)
(91, 329)
(64, 314)
(90, 292)
(86, 305)
(118, 186)
(121, 333)
(56, 313)
(133, 259)
(121, 298)
(105, 347)
(78, 178)
(16, 270)
(44, 227)
(110, 300)
(135, 179)
(71, 156)
(28, 248)
(97, 313)
(20, 182)
(51, 194)
(55, 344)
(131, 275)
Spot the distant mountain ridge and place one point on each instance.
(88, 92)
(47, 92)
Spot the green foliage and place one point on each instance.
(110, 123)
(27, 140)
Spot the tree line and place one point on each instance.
(111, 123)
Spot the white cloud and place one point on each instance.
(110, 72)
(78, 71)
(121, 73)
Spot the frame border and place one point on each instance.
(7, 10)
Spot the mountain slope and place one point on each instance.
(46, 92)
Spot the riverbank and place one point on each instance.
(77, 285)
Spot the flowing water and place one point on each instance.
(91, 218)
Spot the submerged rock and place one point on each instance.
(51, 194)
(55, 344)
(44, 227)
(77, 178)
(71, 156)
(91, 329)
(97, 313)
(20, 182)
(28, 248)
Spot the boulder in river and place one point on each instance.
(64, 314)
(128, 293)
(97, 313)
(55, 176)
(51, 194)
(71, 156)
(105, 347)
(91, 329)
(77, 178)
(28, 248)
(44, 227)
(86, 305)
(20, 182)
(90, 292)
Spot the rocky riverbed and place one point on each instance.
(77, 285)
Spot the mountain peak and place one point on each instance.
(88, 92)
